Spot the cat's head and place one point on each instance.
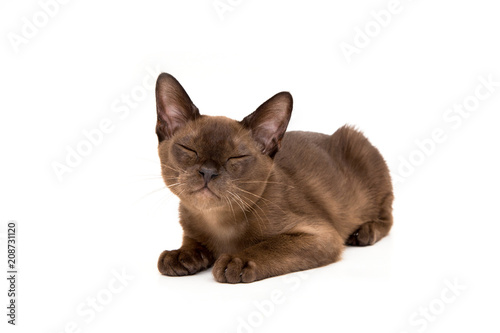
(216, 162)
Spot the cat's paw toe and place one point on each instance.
(183, 262)
(233, 269)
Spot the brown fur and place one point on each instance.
(256, 202)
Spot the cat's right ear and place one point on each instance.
(173, 106)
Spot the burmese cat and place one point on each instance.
(257, 202)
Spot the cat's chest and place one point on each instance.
(222, 228)
(225, 235)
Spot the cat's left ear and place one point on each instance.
(269, 122)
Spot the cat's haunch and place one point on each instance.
(257, 202)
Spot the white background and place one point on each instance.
(104, 217)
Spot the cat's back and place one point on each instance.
(340, 177)
(345, 153)
(339, 170)
(305, 161)
(302, 153)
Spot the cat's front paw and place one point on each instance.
(234, 269)
(184, 262)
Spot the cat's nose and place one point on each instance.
(208, 174)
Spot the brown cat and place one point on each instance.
(256, 202)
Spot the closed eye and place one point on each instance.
(188, 149)
(238, 157)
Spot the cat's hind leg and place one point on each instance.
(371, 232)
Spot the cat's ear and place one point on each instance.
(269, 122)
(173, 106)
